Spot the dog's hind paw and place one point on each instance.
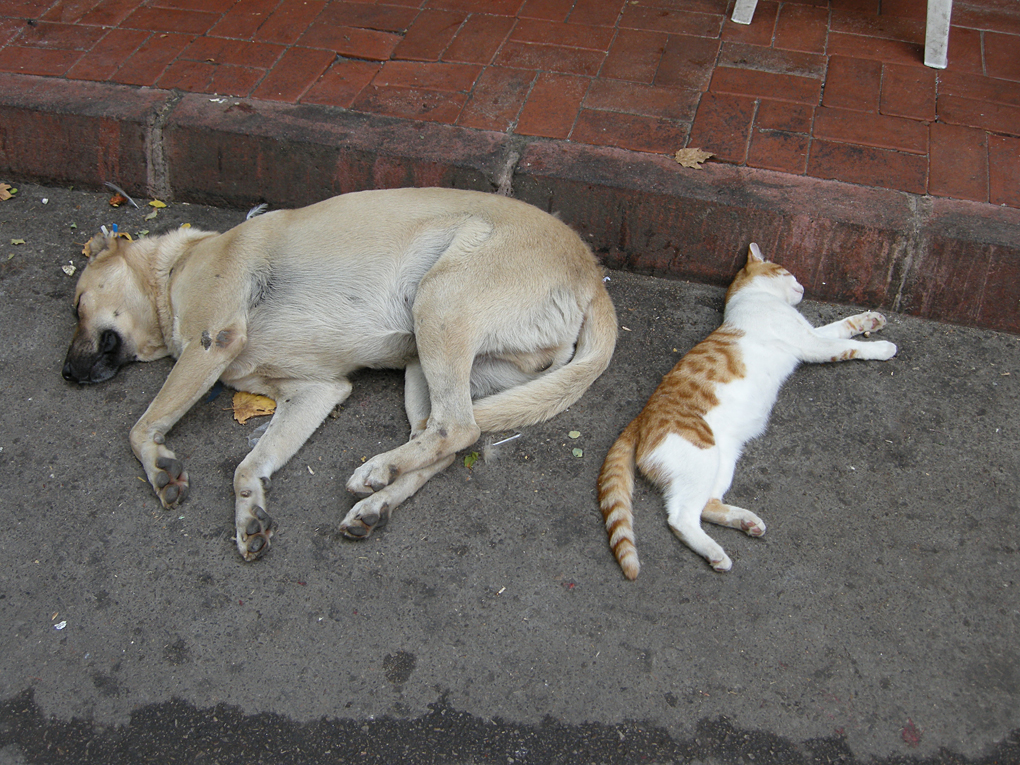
(364, 518)
(373, 476)
(253, 539)
(170, 481)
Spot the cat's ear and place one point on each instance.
(754, 254)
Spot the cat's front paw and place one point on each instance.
(869, 321)
(881, 350)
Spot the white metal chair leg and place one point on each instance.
(743, 11)
(936, 36)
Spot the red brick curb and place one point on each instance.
(935, 258)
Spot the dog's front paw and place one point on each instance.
(253, 533)
(366, 516)
(170, 480)
(372, 476)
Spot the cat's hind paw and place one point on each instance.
(753, 528)
(722, 565)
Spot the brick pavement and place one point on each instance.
(826, 90)
(833, 144)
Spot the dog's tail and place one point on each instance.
(616, 492)
(549, 394)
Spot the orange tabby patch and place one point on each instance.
(687, 393)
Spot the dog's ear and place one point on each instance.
(99, 244)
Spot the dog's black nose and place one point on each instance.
(67, 373)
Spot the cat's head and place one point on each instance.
(760, 274)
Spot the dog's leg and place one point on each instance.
(446, 365)
(300, 409)
(416, 398)
(198, 368)
(374, 510)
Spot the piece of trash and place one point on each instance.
(256, 210)
(214, 391)
(125, 196)
(248, 405)
(310, 469)
(45, 201)
(492, 450)
(692, 157)
(69, 269)
(59, 625)
(255, 435)
(578, 452)
(574, 434)
(501, 590)
(6, 192)
(470, 459)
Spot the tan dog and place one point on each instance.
(495, 309)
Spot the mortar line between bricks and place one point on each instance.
(156, 171)
(917, 244)
(504, 179)
(511, 162)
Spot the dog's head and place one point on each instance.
(116, 312)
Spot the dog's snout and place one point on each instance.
(68, 373)
(109, 341)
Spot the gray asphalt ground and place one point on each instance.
(876, 621)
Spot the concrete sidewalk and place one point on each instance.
(876, 621)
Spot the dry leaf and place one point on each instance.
(692, 157)
(156, 203)
(248, 405)
(6, 192)
(117, 200)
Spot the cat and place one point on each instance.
(690, 434)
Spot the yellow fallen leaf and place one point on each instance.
(156, 203)
(248, 405)
(17, 241)
(6, 192)
(692, 157)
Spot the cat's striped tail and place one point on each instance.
(616, 491)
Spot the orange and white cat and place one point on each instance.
(690, 434)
